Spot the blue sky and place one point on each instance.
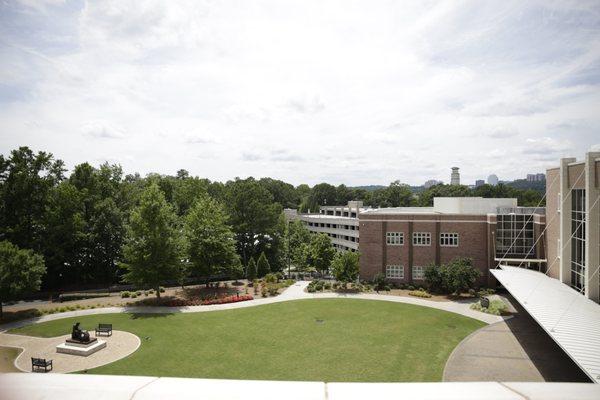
(354, 92)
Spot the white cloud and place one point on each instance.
(359, 93)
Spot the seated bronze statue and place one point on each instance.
(79, 334)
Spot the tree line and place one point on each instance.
(94, 226)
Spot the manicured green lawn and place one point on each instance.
(7, 359)
(358, 340)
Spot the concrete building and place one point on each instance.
(536, 177)
(455, 176)
(402, 242)
(340, 223)
(572, 195)
(479, 182)
(431, 182)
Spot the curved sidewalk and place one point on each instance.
(294, 292)
(120, 344)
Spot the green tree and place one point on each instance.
(298, 236)
(322, 252)
(26, 180)
(345, 266)
(460, 275)
(254, 216)
(21, 271)
(262, 266)
(152, 250)
(210, 240)
(251, 270)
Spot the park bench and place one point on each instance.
(104, 328)
(38, 363)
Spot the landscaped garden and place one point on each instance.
(320, 340)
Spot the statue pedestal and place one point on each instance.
(81, 349)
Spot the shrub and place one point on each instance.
(279, 276)
(272, 289)
(387, 288)
(125, 295)
(311, 289)
(151, 291)
(146, 293)
(379, 282)
(134, 295)
(139, 293)
(497, 307)
(402, 286)
(161, 289)
(80, 296)
(327, 286)
(472, 292)
(410, 287)
(263, 291)
(485, 292)
(271, 278)
(419, 293)
(335, 285)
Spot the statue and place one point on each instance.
(79, 335)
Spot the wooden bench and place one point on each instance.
(104, 329)
(38, 363)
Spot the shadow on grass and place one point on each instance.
(150, 316)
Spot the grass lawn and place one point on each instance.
(7, 359)
(358, 340)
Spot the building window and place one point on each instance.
(394, 272)
(394, 238)
(578, 227)
(449, 239)
(418, 272)
(515, 236)
(421, 238)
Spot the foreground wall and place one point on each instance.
(94, 387)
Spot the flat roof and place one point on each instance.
(401, 210)
(570, 318)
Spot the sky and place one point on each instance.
(352, 92)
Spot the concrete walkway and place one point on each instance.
(119, 345)
(294, 292)
(515, 350)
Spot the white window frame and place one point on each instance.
(394, 271)
(449, 239)
(418, 272)
(421, 238)
(394, 238)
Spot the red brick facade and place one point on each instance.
(475, 241)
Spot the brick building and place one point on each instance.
(401, 242)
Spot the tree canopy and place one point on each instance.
(21, 271)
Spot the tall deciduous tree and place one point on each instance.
(210, 240)
(345, 266)
(262, 265)
(254, 216)
(152, 251)
(298, 236)
(26, 179)
(21, 271)
(322, 252)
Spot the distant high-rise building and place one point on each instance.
(492, 180)
(431, 182)
(536, 177)
(479, 182)
(455, 176)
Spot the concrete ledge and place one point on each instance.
(91, 387)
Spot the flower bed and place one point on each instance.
(206, 302)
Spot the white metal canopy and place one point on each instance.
(571, 319)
